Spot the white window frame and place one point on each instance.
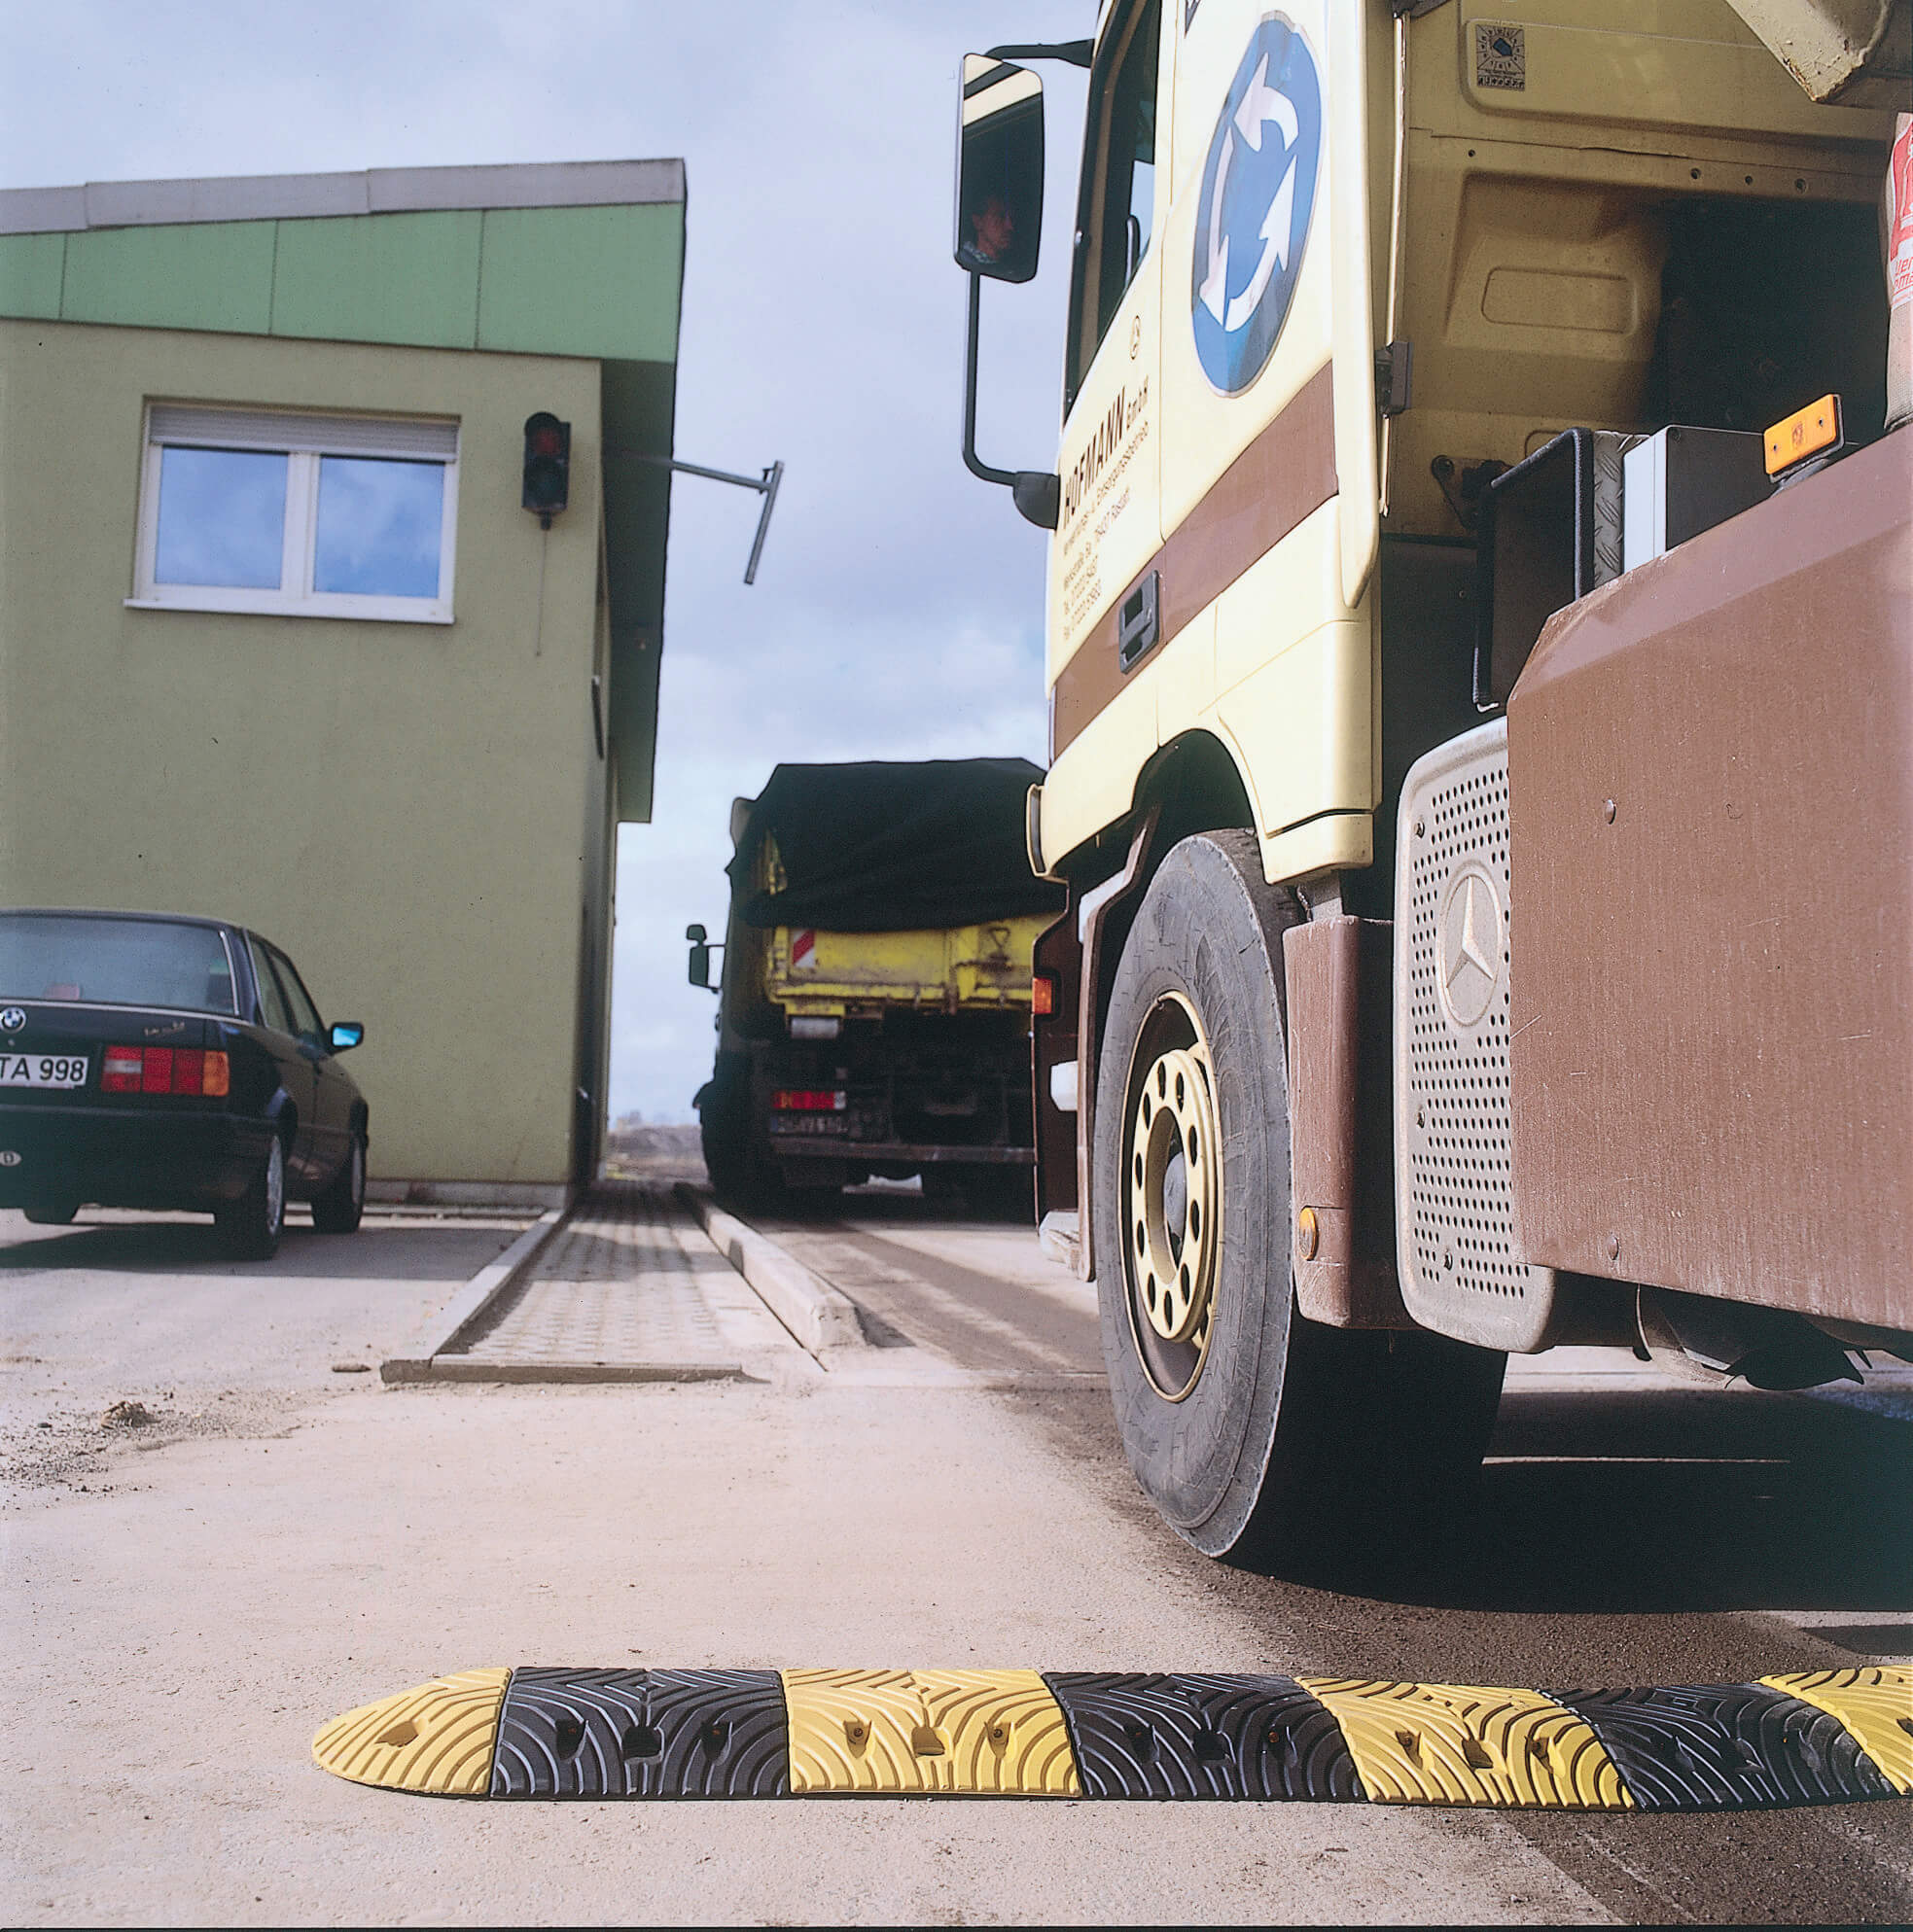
(303, 438)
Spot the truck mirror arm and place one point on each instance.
(1038, 493)
(1076, 52)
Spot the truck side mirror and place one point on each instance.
(999, 201)
(700, 957)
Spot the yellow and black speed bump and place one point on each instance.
(1740, 1747)
(642, 1733)
(1202, 1736)
(1812, 1738)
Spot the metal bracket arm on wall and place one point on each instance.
(766, 485)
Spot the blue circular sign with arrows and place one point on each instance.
(1257, 194)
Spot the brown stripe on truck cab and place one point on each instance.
(1286, 473)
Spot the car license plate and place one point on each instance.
(43, 1069)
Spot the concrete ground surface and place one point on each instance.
(270, 1537)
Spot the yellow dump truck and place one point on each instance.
(1478, 511)
(874, 1005)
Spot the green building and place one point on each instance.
(279, 641)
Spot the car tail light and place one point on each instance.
(1042, 993)
(164, 1070)
(808, 1100)
(119, 1071)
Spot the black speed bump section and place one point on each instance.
(1202, 1736)
(642, 1733)
(1726, 1747)
(1809, 1738)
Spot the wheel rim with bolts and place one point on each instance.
(275, 1184)
(1172, 1195)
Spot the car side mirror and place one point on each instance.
(345, 1034)
(700, 957)
(999, 201)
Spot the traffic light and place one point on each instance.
(547, 465)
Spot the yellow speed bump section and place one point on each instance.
(436, 1738)
(953, 1730)
(1468, 1745)
(1874, 1704)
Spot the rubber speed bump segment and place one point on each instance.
(1728, 1747)
(1814, 1737)
(981, 1731)
(440, 1738)
(1203, 1736)
(642, 1733)
(1874, 1707)
(1465, 1745)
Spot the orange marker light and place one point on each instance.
(1806, 433)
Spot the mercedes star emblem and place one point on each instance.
(1471, 946)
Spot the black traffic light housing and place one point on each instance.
(547, 465)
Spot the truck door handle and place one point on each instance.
(1137, 627)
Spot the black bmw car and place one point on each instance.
(149, 1060)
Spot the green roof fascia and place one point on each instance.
(603, 281)
(32, 268)
(381, 278)
(214, 275)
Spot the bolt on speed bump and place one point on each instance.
(1809, 1737)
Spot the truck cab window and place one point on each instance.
(1116, 204)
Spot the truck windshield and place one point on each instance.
(113, 962)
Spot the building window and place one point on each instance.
(323, 516)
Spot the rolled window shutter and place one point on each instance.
(293, 430)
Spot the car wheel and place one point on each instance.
(1255, 1432)
(338, 1209)
(249, 1228)
(52, 1213)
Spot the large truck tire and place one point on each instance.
(742, 1172)
(720, 1108)
(1259, 1435)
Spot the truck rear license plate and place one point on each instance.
(43, 1069)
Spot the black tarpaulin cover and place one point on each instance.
(894, 848)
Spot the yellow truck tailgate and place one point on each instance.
(810, 971)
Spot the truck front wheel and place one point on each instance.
(1255, 1432)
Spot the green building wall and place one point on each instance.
(415, 812)
(423, 815)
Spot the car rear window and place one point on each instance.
(113, 962)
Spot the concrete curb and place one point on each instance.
(463, 1313)
(467, 1368)
(817, 1316)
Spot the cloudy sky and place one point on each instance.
(898, 613)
